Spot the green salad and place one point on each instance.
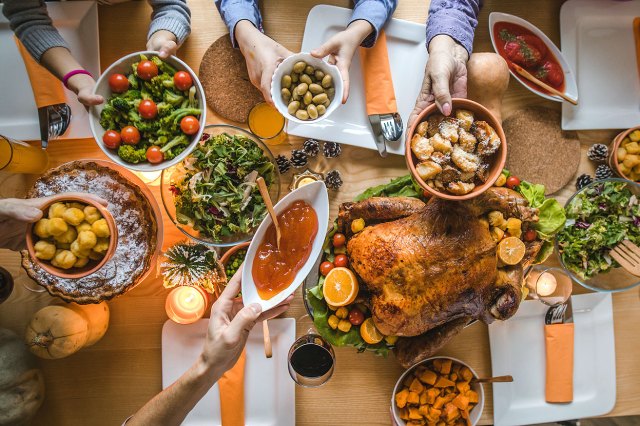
(215, 190)
(598, 218)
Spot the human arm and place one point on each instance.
(170, 26)
(227, 335)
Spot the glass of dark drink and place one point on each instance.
(311, 360)
(6, 284)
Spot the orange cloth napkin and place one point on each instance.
(47, 89)
(636, 35)
(231, 386)
(559, 354)
(378, 85)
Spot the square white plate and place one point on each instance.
(517, 348)
(269, 390)
(597, 41)
(77, 22)
(349, 124)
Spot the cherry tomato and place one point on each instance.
(341, 260)
(111, 139)
(551, 73)
(148, 109)
(512, 182)
(182, 80)
(325, 268)
(356, 317)
(190, 125)
(154, 155)
(339, 240)
(530, 235)
(130, 135)
(118, 83)
(147, 70)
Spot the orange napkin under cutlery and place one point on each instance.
(378, 85)
(47, 89)
(231, 386)
(636, 36)
(559, 358)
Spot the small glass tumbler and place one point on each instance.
(551, 286)
(267, 123)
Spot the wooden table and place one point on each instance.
(104, 384)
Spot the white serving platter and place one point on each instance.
(315, 194)
(77, 22)
(269, 390)
(597, 41)
(518, 349)
(407, 57)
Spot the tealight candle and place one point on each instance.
(551, 286)
(186, 304)
(546, 284)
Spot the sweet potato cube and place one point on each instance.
(401, 398)
(428, 377)
(415, 423)
(414, 414)
(404, 413)
(453, 377)
(463, 387)
(407, 380)
(416, 386)
(450, 397)
(432, 394)
(455, 368)
(446, 366)
(423, 397)
(451, 412)
(466, 374)
(473, 396)
(439, 402)
(443, 382)
(437, 364)
(441, 423)
(424, 410)
(461, 401)
(413, 398)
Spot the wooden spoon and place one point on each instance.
(267, 339)
(497, 379)
(262, 186)
(526, 74)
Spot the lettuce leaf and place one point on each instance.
(551, 213)
(534, 193)
(402, 186)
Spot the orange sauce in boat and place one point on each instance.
(274, 269)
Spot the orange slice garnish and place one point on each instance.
(340, 287)
(370, 333)
(511, 250)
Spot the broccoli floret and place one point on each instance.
(164, 109)
(133, 154)
(109, 117)
(120, 104)
(177, 141)
(172, 98)
(133, 81)
(177, 115)
(193, 102)
(130, 95)
(163, 66)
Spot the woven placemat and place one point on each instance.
(224, 77)
(538, 150)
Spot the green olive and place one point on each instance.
(293, 107)
(320, 99)
(286, 94)
(327, 103)
(295, 77)
(309, 70)
(319, 75)
(321, 109)
(299, 67)
(316, 89)
(302, 88)
(327, 81)
(302, 114)
(331, 92)
(305, 79)
(312, 111)
(286, 81)
(307, 98)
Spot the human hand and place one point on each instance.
(445, 76)
(83, 86)
(262, 55)
(341, 48)
(164, 42)
(230, 325)
(17, 213)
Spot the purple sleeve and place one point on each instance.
(234, 11)
(456, 18)
(376, 12)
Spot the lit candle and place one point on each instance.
(150, 178)
(186, 304)
(546, 284)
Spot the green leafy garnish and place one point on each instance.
(403, 186)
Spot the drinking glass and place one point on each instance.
(551, 286)
(311, 360)
(267, 123)
(20, 157)
(6, 284)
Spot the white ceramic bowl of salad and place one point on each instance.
(174, 154)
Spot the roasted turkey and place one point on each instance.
(427, 270)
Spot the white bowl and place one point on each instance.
(315, 194)
(286, 67)
(570, 86)
(123, 66)
(475, 413)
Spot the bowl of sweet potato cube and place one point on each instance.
(438, 391)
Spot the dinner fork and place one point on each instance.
(627, 255)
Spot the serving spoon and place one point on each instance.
(497, 379)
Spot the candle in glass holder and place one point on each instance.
(186, 304)
(546, 284)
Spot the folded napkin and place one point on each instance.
(636, 35)
(231, 386)
(47, 89)
(378, 85)
(559, 355)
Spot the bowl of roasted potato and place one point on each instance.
(456, 157)
(74, 238)
(624, 154)
(439, 390)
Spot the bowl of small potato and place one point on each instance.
(438, 390)
(74, 238)
(624, 154)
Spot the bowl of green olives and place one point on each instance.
(306, 89)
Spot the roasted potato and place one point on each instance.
(421, 147)
(428, 169)
(465, 118)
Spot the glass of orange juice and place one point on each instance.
(267, 123)
(20, 157)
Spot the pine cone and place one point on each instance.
(598, 152)
(331, 149)
(298, 158)
(333, 180)
(311, 147)
(283, 164)
(603, 172)
(583, 180)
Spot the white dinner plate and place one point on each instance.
(269, 390)
(518, 349)
(407, 57)
(597, 41)
(77, 22)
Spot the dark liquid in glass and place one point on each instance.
(311, 360)
(6, 284)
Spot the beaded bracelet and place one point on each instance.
(70, 74)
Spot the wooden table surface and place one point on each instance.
(105, 383)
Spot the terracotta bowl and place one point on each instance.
(498, 159)
(92, 266)
(227, 254)
(613, 152)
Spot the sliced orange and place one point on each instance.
(511, 250)
(340, 287)
(370, 333)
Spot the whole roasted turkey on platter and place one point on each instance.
(427, 270)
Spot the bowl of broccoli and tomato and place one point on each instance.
(154, 111)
